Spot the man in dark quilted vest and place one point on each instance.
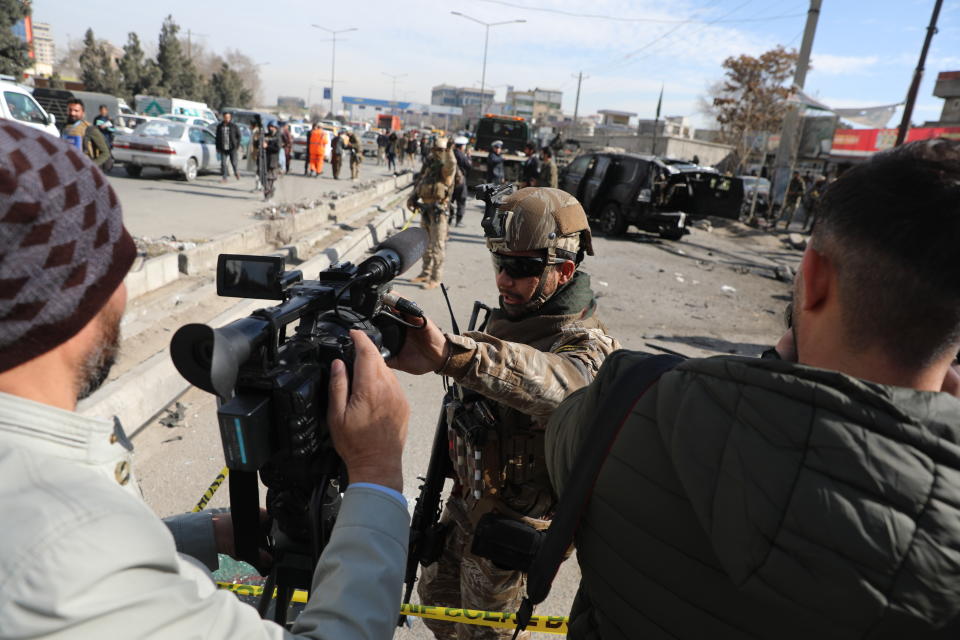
(811, 495)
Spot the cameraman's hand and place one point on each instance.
(424, 350)
(368, 423)
(412, 203)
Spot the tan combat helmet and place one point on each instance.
(540, 218)
(440, 143)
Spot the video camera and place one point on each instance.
(270, 373)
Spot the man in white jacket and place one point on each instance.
(81, 556)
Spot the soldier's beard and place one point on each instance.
(96, 366)
(544, 291)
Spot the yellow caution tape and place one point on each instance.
(212, 489)
(406, 224)
(541, 624)
(495, 619)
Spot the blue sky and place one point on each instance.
(864, 52)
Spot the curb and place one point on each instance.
(153, 273)
(143, 391)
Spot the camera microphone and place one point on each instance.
(394, 256)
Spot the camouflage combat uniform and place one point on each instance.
(524, 369)
(433, 189)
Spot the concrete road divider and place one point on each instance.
(285, 230)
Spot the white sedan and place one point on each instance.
(168, 145)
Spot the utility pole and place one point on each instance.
(393, 94)
(333, 58)
(917, 76)
(190, 35)
(486, 40)
(791, 121)
(576, 104)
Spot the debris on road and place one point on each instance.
(174, 417)
(727, 289)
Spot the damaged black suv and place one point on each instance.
(653, 194)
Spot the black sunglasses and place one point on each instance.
(520, 266)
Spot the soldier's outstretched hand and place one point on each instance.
(368, 417)
(424, 350)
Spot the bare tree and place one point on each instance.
(751, 101)
(248, 71)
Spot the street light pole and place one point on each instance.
(333, 58)
(486, 41)
(393, 93)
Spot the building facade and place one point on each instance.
(678, 126)
(43, 49)
(539, 105)
(447, 95)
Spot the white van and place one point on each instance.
(17, 104)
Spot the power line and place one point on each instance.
(626, 59)
(595, 16)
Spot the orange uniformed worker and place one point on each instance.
(316, 148)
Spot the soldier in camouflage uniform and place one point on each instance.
(431, 194)
(544, 342)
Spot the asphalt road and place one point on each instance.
(711, 293)
(163, 204)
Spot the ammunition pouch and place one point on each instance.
(508, 543)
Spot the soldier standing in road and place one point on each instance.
(273, 147)
(286, 139)
(431, 194)
(401, 149)
(544, 342)
(548, 168)
(336, 153)
(531, 168)
(460, 183)
(356, 156)
(495, 173)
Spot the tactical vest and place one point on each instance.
(79, 130)
(497, 451)
(432, 187)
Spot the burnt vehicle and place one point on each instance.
(651, 193)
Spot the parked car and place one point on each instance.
(54, 101)
(622, 189)
(368, 143)
(169, 145)
(19, 105)
(190, 120)
(759, 186)
(125, 124)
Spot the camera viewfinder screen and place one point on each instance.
(250, 276)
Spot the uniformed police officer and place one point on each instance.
(431, 195)
(542, 343)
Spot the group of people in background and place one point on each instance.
(270, 152)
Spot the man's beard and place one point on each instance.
(96, 366)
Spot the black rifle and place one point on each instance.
(426, 532)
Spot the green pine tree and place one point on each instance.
(14, 52)
(140, 74)
(177, 72)
(226, 89)
(98, 69)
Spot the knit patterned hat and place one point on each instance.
(63, 247)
